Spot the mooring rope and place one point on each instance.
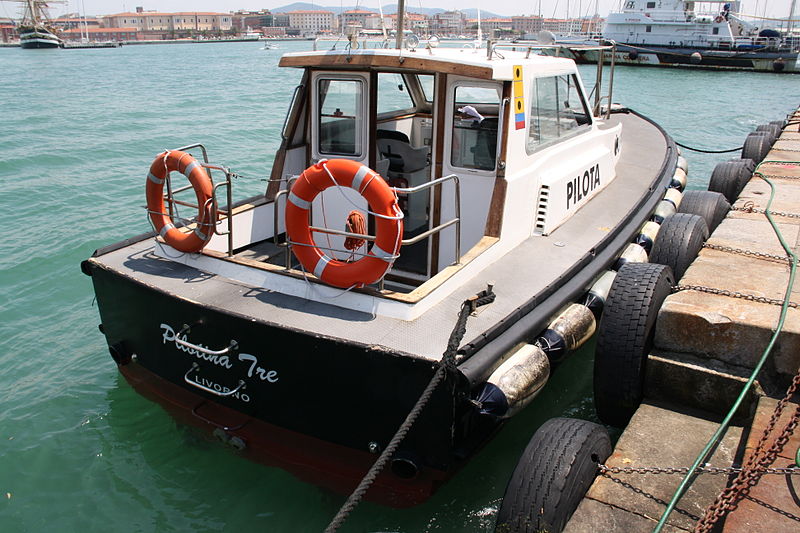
(708, 151)
(446, 364)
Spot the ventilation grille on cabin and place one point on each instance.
(541, 209)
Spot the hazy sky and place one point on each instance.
(559, 8)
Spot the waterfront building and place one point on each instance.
(355, 17)
(156, 25)
(311, 21)
(100, 34)
(527, 24)
(448, 22)
(253, 19)
(8, 31)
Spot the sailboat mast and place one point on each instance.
(401, 11)
(791, 20)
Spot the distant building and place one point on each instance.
(74, 20)
(316, 21)
(448, 22)
(100, 34)
(155, 25)
(253, 19)
(356, 17)
(8, 31)
(527, 24)
(280, 20)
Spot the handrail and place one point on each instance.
(405, 242)
(169, 197)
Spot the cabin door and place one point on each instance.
(339, 130)
(472, 115)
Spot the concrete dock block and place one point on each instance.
(634, 503)
(700, 384)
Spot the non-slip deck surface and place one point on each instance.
(517, 276)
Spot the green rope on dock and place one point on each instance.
(717, 436)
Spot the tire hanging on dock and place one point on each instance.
(625, 337)
(680, 239)
(730, 177)
(712, 206)
(552, 476)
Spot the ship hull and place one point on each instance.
(702, 58)
(307, 400)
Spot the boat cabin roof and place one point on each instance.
(465, 62)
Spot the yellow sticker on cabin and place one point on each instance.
(518, 89)
(517, 72)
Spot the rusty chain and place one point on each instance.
(749, 207)
(752, 469)
(713, 470)
(733, 294)
(748, 253)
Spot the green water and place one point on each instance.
(79, 450)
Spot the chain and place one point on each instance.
(749, 253)
(758, 461)
(733, 294)
(714, 470)
(750, 209)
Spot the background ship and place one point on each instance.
(35, 30)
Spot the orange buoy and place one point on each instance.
(382, 204)
(186, 164)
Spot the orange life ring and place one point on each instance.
(719, 19)
(163, 164)
(382, 201)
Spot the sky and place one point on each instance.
(550, 8)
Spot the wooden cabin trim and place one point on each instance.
(412, 297)
(438, 131)
(395, 62)
(276, 174)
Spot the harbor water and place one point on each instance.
(79, 450)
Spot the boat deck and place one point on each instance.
(521, 278)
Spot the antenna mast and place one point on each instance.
(401, 11)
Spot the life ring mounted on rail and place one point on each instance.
(383, 205)
(186, 164)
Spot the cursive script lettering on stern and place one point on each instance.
(262, 373)
(169, 336)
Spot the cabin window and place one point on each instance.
(426, 82)
(474, 136)
(557, 110)
(648, 29)
(340, 115)
(630, 4)
(392, 93)
(715, 30)
(651, 5)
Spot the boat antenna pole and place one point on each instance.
(383, 22)
(401, 11)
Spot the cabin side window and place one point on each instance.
(474, 134)
(340, 115)
(557, 110)
(393, 93)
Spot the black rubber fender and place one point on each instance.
(679, 240)
(730, 177)
(552, 475)
(772, 129)
(625, 338)
(756, 146)
(710, 205)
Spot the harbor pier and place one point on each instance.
(710, 337)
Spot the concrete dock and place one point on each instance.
(707, 344)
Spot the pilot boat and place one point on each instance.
(301, 325)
